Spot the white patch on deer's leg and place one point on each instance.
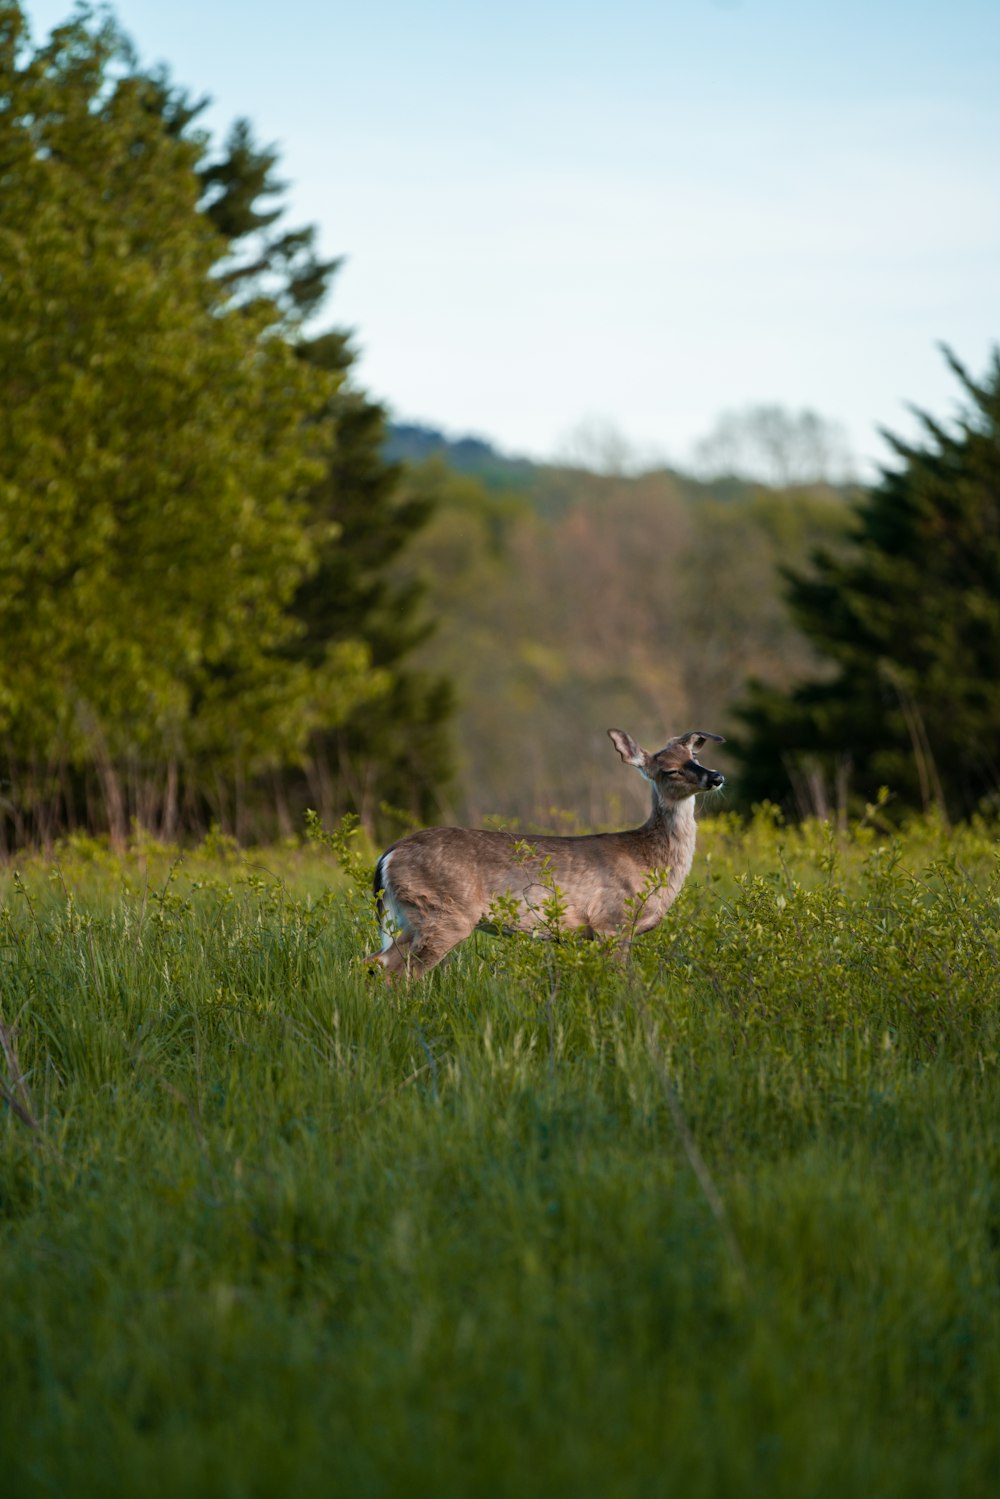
(396, 929)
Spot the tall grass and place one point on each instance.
(724, 1222)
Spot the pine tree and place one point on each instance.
(908, 618)
(395, 747)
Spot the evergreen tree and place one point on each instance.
(908, 618)
(395, 748)
(264, 257)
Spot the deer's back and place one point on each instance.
(471, 869)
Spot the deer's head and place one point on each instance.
(674, 771)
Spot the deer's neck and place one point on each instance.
(671, 830)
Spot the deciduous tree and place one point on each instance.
(156, 445)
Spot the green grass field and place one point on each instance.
(726, 1222)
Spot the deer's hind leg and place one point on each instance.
(435, 939)
(397, 919)
(394, 956)
(416, 933)
(398, 936)
(420, 945)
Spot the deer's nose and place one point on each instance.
(714, 780)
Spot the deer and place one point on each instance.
(435, 887)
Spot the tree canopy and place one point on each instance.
(165, 431)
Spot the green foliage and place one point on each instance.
(908, 619)
(361, 512)
(396, 746)
(347, 845)
(156, 448)
(273, 261)
(196, 519)
(723, 1221)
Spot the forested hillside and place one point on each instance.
(570, 602)
(843, 638)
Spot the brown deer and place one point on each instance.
(435, 887)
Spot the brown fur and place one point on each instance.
(442, 883)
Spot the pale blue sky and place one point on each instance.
(640, 214)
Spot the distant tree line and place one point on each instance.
(198, 525)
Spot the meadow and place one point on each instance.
(725, 1221)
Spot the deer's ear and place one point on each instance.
(628, 749)
(696, 738)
